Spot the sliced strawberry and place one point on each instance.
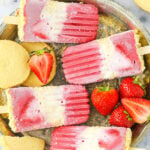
(121, 118)
(138, 108)
(41, 63)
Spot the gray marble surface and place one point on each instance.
(7, 6)
(141, 14)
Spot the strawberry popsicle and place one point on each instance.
(113, 57)
(91, 138)
(52, 21)
(44, 107)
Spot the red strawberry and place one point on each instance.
(130, 87)
(121, 118)
(104, 99)
(138, 108)
(41, 63)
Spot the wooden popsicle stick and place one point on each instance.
(144, 50)
(11, 20)
(3, 110)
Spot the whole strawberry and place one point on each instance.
(104, 99)
(131, 87)
(121, 118)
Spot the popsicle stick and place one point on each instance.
(3, 109)
(11, 20)
(144, 50)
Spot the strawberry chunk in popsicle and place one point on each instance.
(44, 107)
(113, 57)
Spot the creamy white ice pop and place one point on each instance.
(91, 138)
(44, 107)
(113, 57)
(52, 21)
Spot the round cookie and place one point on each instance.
(33, 79)
(14, 69)
(144, 4)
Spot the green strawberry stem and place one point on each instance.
(104, 88)
(148, 118)
(138, 81)
(40, 52)
(128, 116)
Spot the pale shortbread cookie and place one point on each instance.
(33, 79)
(14, 69)
(144, 4)
(21, 143)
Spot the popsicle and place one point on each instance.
(21, 143)
(44, 107)
(91, 138)
(113, 57)
(52, 21)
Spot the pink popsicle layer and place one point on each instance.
(113, 57)
(90, 138)
(44, 107)
(52, 21)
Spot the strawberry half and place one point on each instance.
(41, 63)
(121, 118)
(138, 109)
(104, 99)
(131, 88)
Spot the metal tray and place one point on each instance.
(113, 19)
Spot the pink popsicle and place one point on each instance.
(109, 58)
(90, 138)
(44, 107)
(52, 21)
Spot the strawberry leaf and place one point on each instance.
(138, 81)
(128, 116)
(104, 88)
(130, 119)
(148, 118)
(125, 112)
(40, 52)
